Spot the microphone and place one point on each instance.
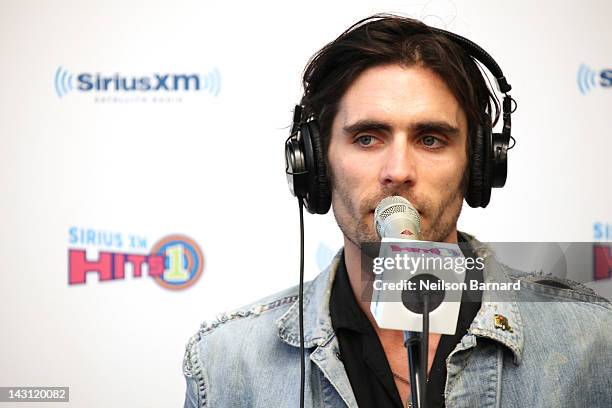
(396, 217)
(398, 224)
(398, 292)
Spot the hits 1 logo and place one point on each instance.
(175, 262)
(602, 261)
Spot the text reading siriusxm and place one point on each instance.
(156, 82)
(88, 82)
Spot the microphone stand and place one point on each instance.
(413, 342)
(417, 345)
(424, 352)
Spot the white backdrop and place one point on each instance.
(209, 165)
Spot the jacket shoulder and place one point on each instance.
(538, 287)
(256, 318)
(224, 345)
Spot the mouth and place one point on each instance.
(370, 215)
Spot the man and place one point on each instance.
(398, 107)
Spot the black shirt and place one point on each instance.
(362, 353)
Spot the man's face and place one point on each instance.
(398, 131)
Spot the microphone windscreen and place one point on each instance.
(396, 217)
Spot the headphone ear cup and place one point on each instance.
(479, 189)
(295, 166)
(499, 160)
(318, 199)
(485, 193)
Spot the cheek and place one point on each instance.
(351, 181)
(443, 172)
(344, 173)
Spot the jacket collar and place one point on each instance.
(318, 329)
(501, 303)
(317, 320)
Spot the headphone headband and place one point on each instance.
(479, 54)
(306, 167)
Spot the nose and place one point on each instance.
(398, 169)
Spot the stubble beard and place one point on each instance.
(441, 218)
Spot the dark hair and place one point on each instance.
(389, 39)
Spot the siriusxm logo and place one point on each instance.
(86, 82)
(589, 78)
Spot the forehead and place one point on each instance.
(400, 96)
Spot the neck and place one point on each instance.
(352, 259)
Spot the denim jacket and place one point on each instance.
(558, 352)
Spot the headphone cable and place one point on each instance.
(301, 305)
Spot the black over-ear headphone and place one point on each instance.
(306, 167)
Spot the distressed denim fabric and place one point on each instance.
(558, 353)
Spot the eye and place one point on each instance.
(365, 140)
(432, 142)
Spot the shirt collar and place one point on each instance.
(318, 328)
(344, 309)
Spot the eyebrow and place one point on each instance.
(419, 127)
